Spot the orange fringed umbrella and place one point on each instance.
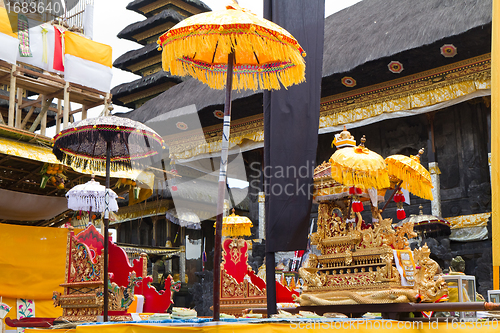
(359, 167)
(415, 178)
(236, 226)
(265, 54)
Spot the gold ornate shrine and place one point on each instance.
(83, 298)
(363, 262)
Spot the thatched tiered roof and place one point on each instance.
(139, 5)
(132, 31)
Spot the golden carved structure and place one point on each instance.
(359, 262)
(83, 290)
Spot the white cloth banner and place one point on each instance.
(87, 73)
(9, 48)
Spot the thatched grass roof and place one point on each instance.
(130, 57)
(140, 84)
(137, 4)
(373, 29)
(167, 15)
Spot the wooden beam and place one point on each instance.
(58, 116)
(43, 113)
(43, 126)
(28, 116)
(80, 87)
(81, 109)
(19, 111)
(66, 106)
(107, 102)
(40, 75)
(84, 112)
(12, 97)
(40, 99)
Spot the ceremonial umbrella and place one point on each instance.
(106, 143)
(428, 224)
(413, 176)
(360, 168)
(236, 226)
(91, 197)
(231, 48)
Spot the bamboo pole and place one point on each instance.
(58, 117)
(12, 97)
(19, 110)
(66, 106)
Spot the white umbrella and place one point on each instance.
(91, 196)
(184, 218)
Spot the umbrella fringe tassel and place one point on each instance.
(289, 69)
(367, 179)
(414, 183)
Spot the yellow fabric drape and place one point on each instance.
(495, 140)
(33, 261)
(383, 326)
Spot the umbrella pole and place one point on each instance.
(392, 196)
(222, 186)
(106, 232)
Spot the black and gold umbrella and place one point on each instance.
(106, 143)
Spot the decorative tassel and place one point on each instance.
(401, 214)
(357, 206)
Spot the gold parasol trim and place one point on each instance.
(416, 179)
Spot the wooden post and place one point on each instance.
(84, 112)
(43, 113)
(19, 111)
(58, 119)
(106, 104)
(222, 187)
(12, 96)
(66, 106)
(45, 105)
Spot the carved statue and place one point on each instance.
(120, 298)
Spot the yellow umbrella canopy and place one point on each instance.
(264, 53)
(415, 178)
(236, 226)
(359, 167)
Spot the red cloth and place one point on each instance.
(58, 51)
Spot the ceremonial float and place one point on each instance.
(363, 262)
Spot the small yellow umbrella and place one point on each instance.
(236, 226)
(415, 178)
(359, 167)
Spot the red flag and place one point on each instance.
(58, 51)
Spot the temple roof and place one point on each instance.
(143, 83)
(131, 57)
(136, 5)
(167, 15)
(373, 29)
